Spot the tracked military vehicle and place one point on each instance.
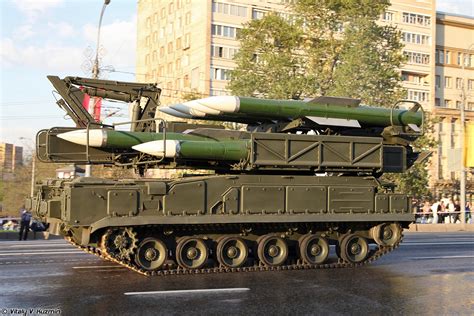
(297, 188)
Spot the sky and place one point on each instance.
(58, 37)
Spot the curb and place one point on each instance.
(440, 228)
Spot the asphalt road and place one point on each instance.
(430, 274)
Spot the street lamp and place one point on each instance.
(95, 73)
(463, 131)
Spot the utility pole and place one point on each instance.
(95, 75)
(462, 199)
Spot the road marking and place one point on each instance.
(37, 250)
(96, 267)
(41, 253)
(442, 257)
(243, 289)
(41, 245)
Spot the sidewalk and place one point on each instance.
(440, 228)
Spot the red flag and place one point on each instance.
(94, 104)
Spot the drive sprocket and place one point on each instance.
(120, 243)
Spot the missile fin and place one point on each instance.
(334, 121)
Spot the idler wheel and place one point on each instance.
(353, 248)
(386, 234)
(191, 253)
(151, 254)
(313, 249)
(232, 252)
(272, 250)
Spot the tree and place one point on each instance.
(325, 47)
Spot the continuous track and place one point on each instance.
(173, 269)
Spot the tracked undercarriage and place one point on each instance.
(158, 254)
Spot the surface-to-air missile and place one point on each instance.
(322, 110)
(298, 177)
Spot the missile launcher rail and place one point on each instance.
(282, 192)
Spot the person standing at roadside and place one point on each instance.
(24, 224)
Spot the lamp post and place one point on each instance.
(95, 74)
(462, 179)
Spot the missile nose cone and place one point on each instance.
(194, 104)
(168, 148)
(97, 137)
(173, 112)
(187, 110)
(224, 103)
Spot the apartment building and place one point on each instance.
(188, 45)
(11, 157)
(454, 84)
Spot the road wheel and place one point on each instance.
(313, 249)
(191, 253)
(386, 234)
(151, 254)
(354, 248)
(232, 252)
(272, 250)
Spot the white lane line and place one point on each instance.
(41, 253)
(442, 257)
(243, 289)
(436, 243)
(96, 267)
(37, 250)
(40, 246)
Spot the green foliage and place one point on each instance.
(329, 48)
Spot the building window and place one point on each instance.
(154, 55)
(417, 95)
(170, 8)
(458, 105)
(187, 19)
(437, 81)
(178, 43)
(447, 103)
(169, 68)
(470, 106)
(458, 83)
(470, 84)
(170, 47)
(186, 81)
(258, 14)
(231, 9)
(187, 41)
(162, 32)
(163, 13)
(441, 57)
(418, 19)
(225, 31)
(414, 38)
(448, 57)
(162, 51)
(155, 37)
(170, 28)
(437, 102)
(459, 60)
(223, 52)
(220, 74)
(447, 82)
(387, 16)
(417, 58)
(178, 64)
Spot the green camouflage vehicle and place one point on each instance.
(298, 188)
